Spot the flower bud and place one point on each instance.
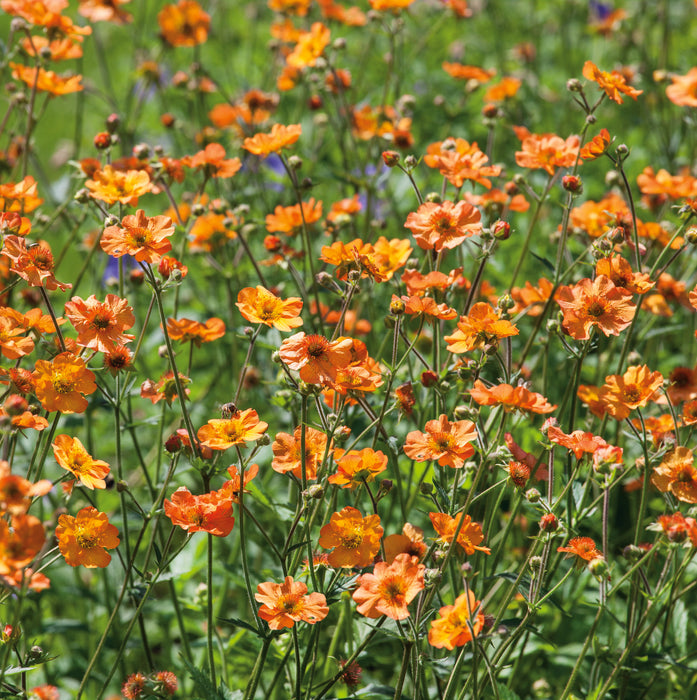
(141, 151)
(501, 230)
(173, 443)
(433, 197)
(198, 209)
(410, 162)
(295, 162)
(623, 150)
(549, 522)
(599, 568)
(429, 379)
(532, 496)
(574, 85)
(391, 158)
(102, 140)
(691, 235)
(113, 121)
(572, 183)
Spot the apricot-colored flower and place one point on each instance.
(223, 433)
(458, 160)
(209, 512)
(287, 455)
(355, 539)
(677, 474)
(482, 326)
(531, 300)
(290, 7)
(281, 137)
(614, 84)
(457, 624)
(448, 443)
(596, 303)
(146, 238)
(410, 541)
(284, 604)
(61, 49)
(186, 330)
(310, 46)
(620, 273)
(470, 536)
(262, 306)
(546, 151)
(689, 412)
(20, 196)
(511, 398)
(184, 24)
(596, 146)
(236, 482)
(622, 393)
(582, 547)
(390, 588)
(21, 539)
(445, 225)
(662, 183)
(316, 358)
(45, 13)
(101, 325)
(105, 11)
(290, 220)
(390, 4)
(213, 163)
(595, 217)
(578, 442)
(426, 306)
(677, 528)
(61, 384)
(13, 341)
(356, 467)
(462, 72)
(84, 539)
(33, 264)
(71, 454)
(110, 185)
(683, 90)
(505, 88)
(165, 388)
(16, 493)
(46, 80)
(379, 261)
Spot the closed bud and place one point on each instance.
(102, 140)
(82, 196)
(390, 158)
(122, 486)
(315, 492)
(532, 496)
(623, 150)
(549, 522)
(113, 121)
(141, 151)
(295, 162)
(173, 443)
(574, 85)
(410, 162)
(691, 235)
(599, 568)
(535, 563)
(632, 553)
(198, 209)
(426, 488)
(429, 378)
(572, 183)
(433, 197)
(501, 230)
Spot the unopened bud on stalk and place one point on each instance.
(632, 553)
(691, 235)
(623, 150)
(535, 563)
(433, 197)
(519, 179)
(102, 140)
(198, 209)
(426, 488)
(173, 443)
(121, 486)
(599, 568)
(339, 44)
(162, 351)
(354, 275)
(572, 183)
(501, 230)
(466, 570)
(410, 162)
(549, 522)
(574, 85)
(141, 151)
(391, 158)
(552, 326)
(295, 162)
(315, 492)
(463, 412)
(82, 196)
(591, 119)
(532, 496)
(113, 121)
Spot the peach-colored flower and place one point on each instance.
(281, 137)
(184, 24)
(356, 467)
(209, 512)
(677, 474)
(457, 624)
(683, 90)
(287, 455)
(101, 325)
(511, 398)
(284, 604)
(353, 539)
(482, 326)
(317, 359)
(470, 536)
(445, 225)
(71, 454)
(110, 185)
(546, 151)
(61, 384)
(223, 433)
(84, 539)
(145, 238)
(448, 443)
(259, 305)
(614, 84)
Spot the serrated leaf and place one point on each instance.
(201, 680)
(506, 693)
(235, 622)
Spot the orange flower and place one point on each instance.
(677, 528)
(689, 413)
(262, 306)
(379, 261)
(288, 458)
(531, 300)
(622, 393)
(475, 73)
(316, 358)
(281, 137)
(61, 49)
(184, 24)
(291, 7)
(16, 493)
(310, 46)
(213, 162)
(84, 539)
(284, 604)
(187, 330)
(210, 512)
(506, 87)
(458, 160)
(457, 623)
(470, 536)
(46, 80)
(355, 540)
(13, 341)
(449, 443)
(683, 91)
(613, 84)
(426, 306)
(410, 542)
(45, 13)
(390, 588)
(390, 4)
(165, 389)
(221, 434)
(594, 217)
(289, 220)
(482, 326)
(71, 454)
(18, 196)
(235, 485)
(33, 264)
(677, 474)
(111, 186)
(444, 225)
(663, 183)
(582, 547)
(62, 383)
(596, 303)
(21, 539)
(511, 398)
(145, 238)
(105, 11)
(596, 146)
(357, 467)
(418, 284)
(546, 151)
(101, 325)
(578, 442)
(620, 273)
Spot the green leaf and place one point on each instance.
(506, 693)
(680, 625)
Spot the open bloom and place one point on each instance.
(613, 84)
(448, 443)
(21, 539)
(187, 330)
(184, 24)
(546, 151)
(84, 539)
(146, 238)
(683, 90)
(677, 474)
(315, 357)
(71, 454)
(287, 455)
(470, 536)
(410, 541)
(32, 263)
(210, 512)
(280, 137)
(444, 225)
(457, 624)
(110, 185)
(390, 588)
(356, 467)
(354, 539)
(622, 393)
(511, 398)
(284, 604)
(482, 326)
(262, 306)
(101, 324)
(596, 303)
(211, 160)
(223, 433)
(61, 384)
(458, 161)
(46, 80)
(582, 547)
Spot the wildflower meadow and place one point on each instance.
(348, 349)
